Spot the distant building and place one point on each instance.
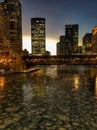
(94, 40)
(10, 26)
(25, 52)
(79, 49)
(61, 46)
(38, 36)
(71, 38)
(47, 53)
(68, 43)
(87, 44)
(58, 48)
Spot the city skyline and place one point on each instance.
(57, 15)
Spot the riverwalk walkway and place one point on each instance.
(22, 71)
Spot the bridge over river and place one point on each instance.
(60, 59)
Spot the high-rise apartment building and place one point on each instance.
(71, 36)
(11, 29)
(1, 28)
(38, 35)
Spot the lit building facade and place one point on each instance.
(38, 36)
(12, 26)
(87, 44)
(1, 28)
(71, 38)
(94, 40)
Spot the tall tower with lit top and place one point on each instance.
(38, 35)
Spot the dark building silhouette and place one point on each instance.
(61, 46)
(87, 44)
(71, 38)
(10, 26)
(68, 43)
(38, 36)
(80, 49)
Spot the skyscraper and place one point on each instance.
(71, 35)
(1, 28)
(12, 26)
(87, 43)
(38, 35)
(61, 46)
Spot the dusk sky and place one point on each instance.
(58, 13)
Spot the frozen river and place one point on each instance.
(52, 98)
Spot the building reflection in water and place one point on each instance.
(26, 93)
(96, 87)
(2, 82)
(76, 81)
(52, 72)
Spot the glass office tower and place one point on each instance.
(38, 35)
(71, 34)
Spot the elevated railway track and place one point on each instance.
(61, 59)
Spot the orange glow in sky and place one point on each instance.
(50, 44)
(27, 43)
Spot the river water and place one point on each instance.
(52, 98)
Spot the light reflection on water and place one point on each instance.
(49, 98)
(2, 82)
(96, 86)
(50, 77)
(52, 71)
(76, 81)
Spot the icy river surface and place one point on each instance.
(51, 98)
